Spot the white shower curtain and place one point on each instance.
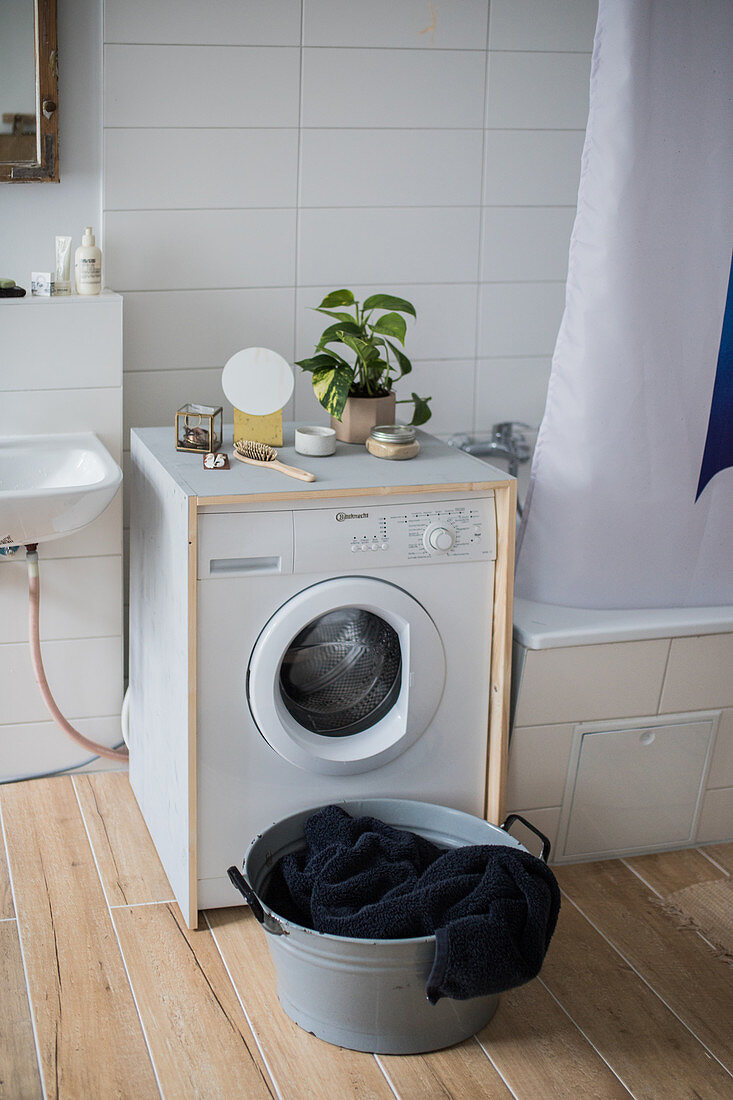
(631, 497)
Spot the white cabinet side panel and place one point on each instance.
(159, 684)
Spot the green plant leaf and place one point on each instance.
(385, 301)
(404, 362)
(392, 325)
(335, 333)
(345, 317)
(337, 298)
(422, 411)
(366, 351)
(317, 362)
(331, 386)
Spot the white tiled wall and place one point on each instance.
(258, 155)
(61, 371)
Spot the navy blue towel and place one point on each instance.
(492, 908)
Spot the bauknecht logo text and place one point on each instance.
(341, 516)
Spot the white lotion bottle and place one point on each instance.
(88, 265)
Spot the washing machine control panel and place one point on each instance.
(395, 534)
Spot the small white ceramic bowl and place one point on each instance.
(315, 440)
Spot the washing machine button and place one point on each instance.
(354, 548)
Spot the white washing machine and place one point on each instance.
(343, 651)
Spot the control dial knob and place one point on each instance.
(439, 539)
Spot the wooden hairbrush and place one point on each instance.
(260, 454)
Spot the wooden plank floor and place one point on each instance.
(104, 992)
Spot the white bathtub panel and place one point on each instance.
(546, 819)
(699, 674)
(404, 88)
(80, 598)
(171, 85)
(716, 819)
(721, 765)
(183, 329)
(32, 748)
(173, 168)
(536, 91)
(85, 676)
(538, 765)
(41, 349)
(586, 683)
(634, 787)
(409, 24)
(537, 25)
(532, 167)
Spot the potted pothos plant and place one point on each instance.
(357, 361)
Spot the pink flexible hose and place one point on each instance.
(34, 602)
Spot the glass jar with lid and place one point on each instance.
(393, 441)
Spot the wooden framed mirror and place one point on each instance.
(28, 91)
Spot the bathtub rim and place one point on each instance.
(551, 626)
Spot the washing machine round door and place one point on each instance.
(346, 675)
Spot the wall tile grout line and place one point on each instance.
(664, 676)
(119, 945)
(31, 1010)
(243, 1007)
(298, 195)
(371, 126)
(646, 982)
(481, 227)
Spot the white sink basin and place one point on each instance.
(51, 485)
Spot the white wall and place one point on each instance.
(258, 155)
(33, 214)
(61, 370)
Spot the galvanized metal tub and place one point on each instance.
(360, 993)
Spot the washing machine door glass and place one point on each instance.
(346, 675)
(342, 673)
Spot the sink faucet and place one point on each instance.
(507, 441)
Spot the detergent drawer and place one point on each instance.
(243, 544)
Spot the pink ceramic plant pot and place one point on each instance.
(361, 414)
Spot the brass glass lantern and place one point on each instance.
(198, 428)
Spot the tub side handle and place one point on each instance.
(546, 846)
(267, 921)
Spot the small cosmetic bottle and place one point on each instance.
(88, 265)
